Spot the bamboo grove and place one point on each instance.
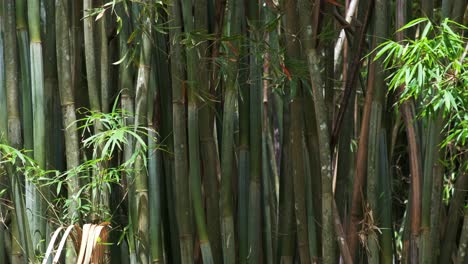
(228, 131)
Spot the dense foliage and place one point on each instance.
(210, 131)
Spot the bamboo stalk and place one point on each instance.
(255, 76)
(154, 173)
(431, 151)
(243, 100)
(141, 120)
(453, 217)
(463, 245)
(3, 137)
(35, 203)
(227, 143)
(25, 72)
(104, 64)
(373, 255)
(21, 233)
(266, 171)
(90, 57)
(209, 153)
(192, 23)
(296, 138)
(286, 230)
(385, 205)
(328, 244)
(127, 104)
(182, 198)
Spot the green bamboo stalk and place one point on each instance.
(458, 10)
(154, 173)
(3, 135)
(321, 112)
(375, 124)
(90, 57)
(164, 101)
(311, 211)
(127, 104)
(227, 143)
(77, 38)
(385, 205)
(243, 101)
(463, 245)
(209, 152)
(35, 202)
(286, 230)
(3, 99)
(20, 232)
(296, 138)
(436, 201)
(141, 119)
(314, 165)
(255, 76)
(266, 171)
(431, 151)
(193, 81)
(25, 77)
(453, 217)
(373, 255)
(104, 63)
(182, 198)
(53, 120)
(67, 100)
(328, 243)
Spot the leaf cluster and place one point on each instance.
(432, 70)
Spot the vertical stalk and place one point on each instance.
(25, 76)
(453, 216)
(323, 133)
(287, 230)
(328, 243)
(373, 255)
(90, 56)
(243, 100)
(104, 64)
(141, 119)
(227, 143)
(154, 172)
(296, 136)
(182, 197)
(463, 245)
(431, 152)
(35, 202)
(3, 135)
(99, 195)
(127, 104)
(209, 152)
(253, 14)
(266, 171)
(22, 233)
(67, 100)
(385, 189)
(192, 23)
